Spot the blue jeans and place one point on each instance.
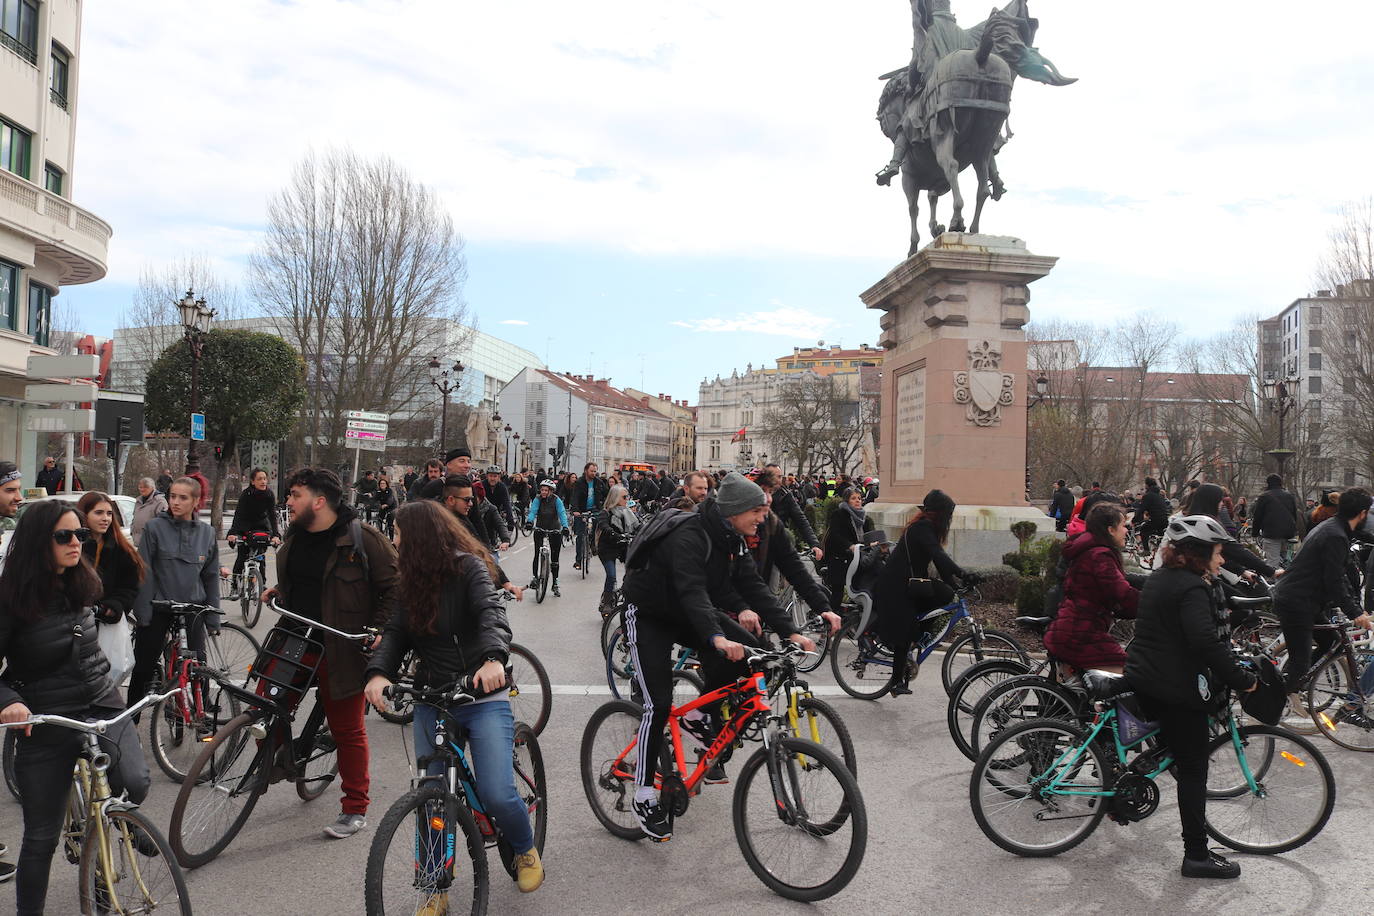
(491, 737)
(580, 525)
(609, 587)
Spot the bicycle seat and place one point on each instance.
(1039, 624)
(1104, 685)
(1238, 603)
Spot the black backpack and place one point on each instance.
(655, 530)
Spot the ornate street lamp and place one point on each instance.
(447, 381)
(505, 461)
(196, 318)
(1280, 400)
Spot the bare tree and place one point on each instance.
(814, 420)
(1347, 321)
(367, 270)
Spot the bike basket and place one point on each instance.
(259, 538)
(285, 668)
(1131, 724)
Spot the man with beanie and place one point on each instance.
(696, 573)
(457, 463)
(1274, 518)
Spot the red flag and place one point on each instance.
(739, 436)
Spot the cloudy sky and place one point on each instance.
(659, 191)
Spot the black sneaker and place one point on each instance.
(654, 821)
(556, 592)
(1355, 717)
(900, 689)
(715, 776)
(534, 583)
(1214, 866)
(6, 872)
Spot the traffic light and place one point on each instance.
(126, 431)
(219, 453)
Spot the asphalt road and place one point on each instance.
(925, 853)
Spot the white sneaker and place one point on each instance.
(1298, 718)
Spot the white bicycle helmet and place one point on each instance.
(1197, 529)
(548, 483)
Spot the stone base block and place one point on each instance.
(978, 535)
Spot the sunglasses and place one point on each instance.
(466, 499)
(65, 535)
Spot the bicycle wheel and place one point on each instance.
(609, 624)
(252, 596)
(531, 695)
(10, 749)
(687, 686)
(969, 688)
(402, 711)
(584, 549)
(1020, 699)
(143, 874)
(219, 793)
(1339, 706)
(862, 666)
(320, 768)
(818, 721)
(231, 653)
(413, 861)
(819, 631)
(1293, 798)
(609, 758)
(515, 532)
(177, 733)
(1010, 788)
(541, 579)
(971, 648)
(800, 819)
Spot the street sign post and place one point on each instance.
(57, 420)
(198, 427)
(364, 429)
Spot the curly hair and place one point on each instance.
(432, 544)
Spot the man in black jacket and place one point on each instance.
(787, 510)
(700, 566)
(434, 470)
(588, 495)
(483, 522)
(1152, 514)
(1274, 519)
(1061, 505)
(1315, 584)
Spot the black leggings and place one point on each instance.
(1185, 732)
(651, 642)
(149, 643)
(555, 547)
(1298, 634)
(43, 769)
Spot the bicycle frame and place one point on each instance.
(959, 608)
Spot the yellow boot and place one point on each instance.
(529, 871)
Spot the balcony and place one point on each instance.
(58, 99)
(62, 232)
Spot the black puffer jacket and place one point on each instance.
(256, 511)
(55, 662)
(118, 578)
(470, 628)
(1181, 653)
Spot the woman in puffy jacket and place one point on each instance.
(1096, 592)
(614, 528)
(448, 613)
(119, 566)
(847, 525)
(48, 639)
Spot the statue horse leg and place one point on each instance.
(980, 169)
(913, 203)
(945, 127)
(936, 227)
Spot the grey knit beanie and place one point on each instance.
(738, 494)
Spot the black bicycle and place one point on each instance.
(412, 865)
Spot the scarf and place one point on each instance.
(858, 516)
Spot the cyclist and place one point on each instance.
(700, 565)
(121, 572)
(447, 613)
(586, 495)
(55, 666)
(1207, 500)
(847, 525)
(546, 514)
(787, 510)
(386, 501)
(1315, 583)
(434, 470)
(182, 562)
(695, 486)
(366, 485)
(457, 461)
(485, 527)
(333, 568)
(614, 528)
(905, 588)
(1179, 664)
(772, 552)
(498, 494)
(1152, 513)
(256, 511)
(1096, 592)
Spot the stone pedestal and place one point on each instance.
(954, 387)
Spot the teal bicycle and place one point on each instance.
(1042, 787)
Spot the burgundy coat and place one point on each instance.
(1095, 592)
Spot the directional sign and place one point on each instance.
(77, 392)
(363, 435)
(198, 427)
(60, 421)
(366, 415)
(85, 366)
(367, 425)
(371, 445)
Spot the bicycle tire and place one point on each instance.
(11, 748)
(1329, 692)
(584, 546)
(233, 742)
(851, 657)
(1020, 699)
(321, 768)
(780, 765)
(816, 709)
(541, 579)
(402, 824)
(121, 825)
(168, 728)
(532, 698)
(969, 688)
(1006, 790)
(609, 624)
(1306, 761)
(610, 793)
(252, 596)
(232, 652)
(818, 629)
(531, 782)
(971, 648)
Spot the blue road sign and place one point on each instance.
(198, 427)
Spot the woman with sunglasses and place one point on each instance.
(121, 573)
(48, 639)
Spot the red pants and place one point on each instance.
(345, 718)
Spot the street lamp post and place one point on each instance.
(1280, 400)
(1042, 388)
(447, 381)
(785, 453)
(195, 322)
(505, 459)
(516, 466)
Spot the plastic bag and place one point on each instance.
(117, 642)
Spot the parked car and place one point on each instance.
(125, 504)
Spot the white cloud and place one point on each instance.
(514, 321)
(781, 322)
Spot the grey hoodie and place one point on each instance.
(183, 565)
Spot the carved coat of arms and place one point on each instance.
(984, 387)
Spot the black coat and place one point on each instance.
(55, 662)
(841, 534)
(916, 552)
(1154, 509)
(1181, 644)
(1275, 514)
(471, 627)
(789, 513)
(119, 579)
(1315, 580)
(1063, 501)
(256, 511)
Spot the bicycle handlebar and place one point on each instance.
(99, 726)
(161, 606)
(368, 634)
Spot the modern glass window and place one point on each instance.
(19, 28)
(9, 294)
(40, 314)
(53, 178)
(15, 145)
(57, 86)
